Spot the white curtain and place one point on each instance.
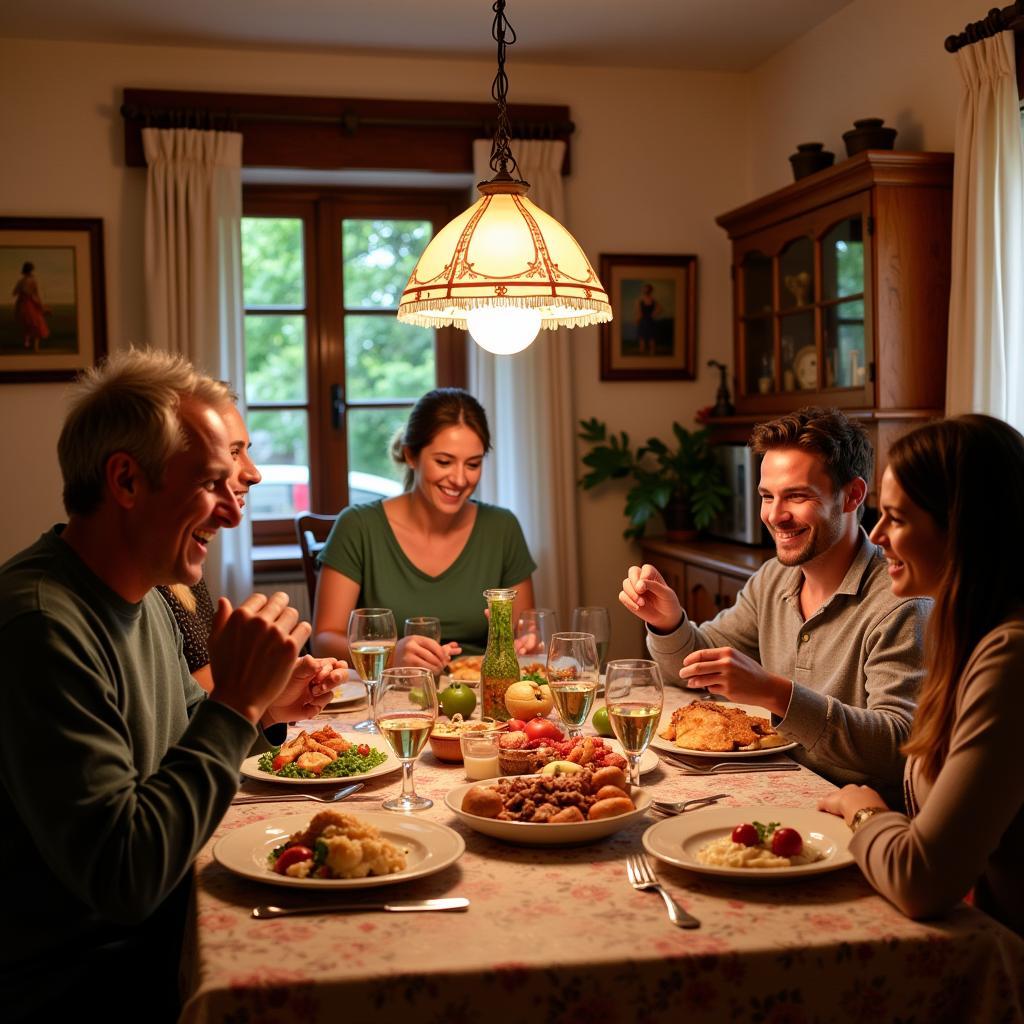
(985, 368)
(529, 403)
(193, 263)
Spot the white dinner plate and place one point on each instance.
(724, 755)
(532, 833)
(348, 693)
(677, 840)
(251, 766)
(429, 847)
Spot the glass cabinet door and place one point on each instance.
(842, 287)
(756, 324)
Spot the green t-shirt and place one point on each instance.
(363, 547)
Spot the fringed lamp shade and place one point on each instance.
(504, 254)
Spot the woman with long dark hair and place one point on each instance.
(428, 551)
(951, 502)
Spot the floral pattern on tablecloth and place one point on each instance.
(556, 935)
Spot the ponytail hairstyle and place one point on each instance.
(436, 411)
(966, 473)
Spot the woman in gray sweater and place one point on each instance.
(951, 500)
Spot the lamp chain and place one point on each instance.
(502, 161)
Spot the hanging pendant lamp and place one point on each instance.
(503, 269)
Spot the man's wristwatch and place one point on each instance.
(859, 817)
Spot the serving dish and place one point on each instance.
(532, 833)
(251, 766)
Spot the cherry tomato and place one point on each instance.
(787, 842)
(279, 762)
(363, 750)
(291, 856)
(516, 725)
(542, 728)
(745, 835)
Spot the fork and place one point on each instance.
(288, 797)
(731, 767)
(642, 878)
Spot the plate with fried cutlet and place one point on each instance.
(711, 728)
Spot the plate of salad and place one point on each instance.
(322, 758)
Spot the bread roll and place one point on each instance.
(566, 814)
(611, 808)
(485, 803)
(611, 793)
(610, 776)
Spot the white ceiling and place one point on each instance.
(710, 35)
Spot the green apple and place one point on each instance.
(417, 697)
(600, 722)
(457, 700)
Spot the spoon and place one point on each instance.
(677, 807)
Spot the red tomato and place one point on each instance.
(542, 728)
(516, 725)
(745, 835)
(291, 856)
(279, 762)
(363, 750)
(787, 842)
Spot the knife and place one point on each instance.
(286, 797)
(399, 906)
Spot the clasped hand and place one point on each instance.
(425, 652)
(254, 660)
(726, 672)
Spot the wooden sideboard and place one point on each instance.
(706, 574)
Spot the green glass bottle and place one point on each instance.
(500, 668)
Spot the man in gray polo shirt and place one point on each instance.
(816, 635)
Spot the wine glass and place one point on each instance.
(634, 696)
(572, 677)
(372, 636)
(534, 630)
(405, 709)
(597, 621)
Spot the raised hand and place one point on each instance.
(253, 649)
(310, 688)
(646, 594)
(726, 672)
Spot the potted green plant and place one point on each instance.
(683, 484)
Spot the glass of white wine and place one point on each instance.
(405, 710)
(572, 676)
(634, 696)
(597, 621)
(372, 636)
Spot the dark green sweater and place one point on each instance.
(114, 769)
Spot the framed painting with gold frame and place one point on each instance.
(53, 320)
(653, 335)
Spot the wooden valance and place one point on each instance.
(331, 133)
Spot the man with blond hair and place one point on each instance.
(115, 766)
(816, 635)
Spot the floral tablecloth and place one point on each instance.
(556, 935)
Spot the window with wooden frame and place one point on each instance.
(330, 373)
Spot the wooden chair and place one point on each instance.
(312, 530)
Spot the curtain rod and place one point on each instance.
(999, 20)
(349, 122)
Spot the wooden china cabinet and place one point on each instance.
(840, 298)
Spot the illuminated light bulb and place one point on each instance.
(503, 330)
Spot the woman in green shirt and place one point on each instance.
(429, 551)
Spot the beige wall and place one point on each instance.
(657, 156)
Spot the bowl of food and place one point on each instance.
(550, 810)
(445, 738)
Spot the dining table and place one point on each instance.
(557, 935)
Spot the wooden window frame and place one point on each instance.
(321, 210)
